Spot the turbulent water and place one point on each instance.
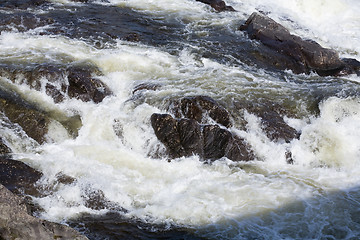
(188, 49)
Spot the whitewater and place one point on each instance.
(316, 197)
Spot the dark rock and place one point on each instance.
(272, 119)
(352, 67)
(74, 81)
(16, 223)
(23, 4)
(18, 177)
(190, 136)
(290, 51)
(166, 131)
(218, 5)
(145, 86)
(84, 87)
(4, 149)
(132, 37)
(216, 141)
(197, 107)
(239, 150)
(32, 121)
(186, 137)
(22, 21)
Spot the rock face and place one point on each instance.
(16, 223)
(218, 5)
(292, 52)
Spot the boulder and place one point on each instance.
(16, 223)
(290, 51)
(272, 119)
(199, 107)
(218, 5)
(18, 177)
(186, 137)
(85, 87)
(75, 81)
(166, 130)
(4, 149)
(32, 120)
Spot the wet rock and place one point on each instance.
(34, 122)
(22, 21)
(290, 51)
(132, 37)
(145, 86)
(198, 107)
(74, 81)
(4, 149)
(186, 137)
(84, 87)
(23, 4)
(218, 5)
(352, 67)
(272, 119)
(18, 177)
(16, 223)
(165, 127)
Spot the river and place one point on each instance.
(188, 49)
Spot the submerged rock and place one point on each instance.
(290, 51)
(218, 5)
(199, 107)
(33, 121)
(16, 223)
(59, 81)
(22, 21)
(272, 119)
(4, 149)
(23, 4)
(186, 137)
(85, 87)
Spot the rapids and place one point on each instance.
(188, 49)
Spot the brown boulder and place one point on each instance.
(290, 51)
(186, 137)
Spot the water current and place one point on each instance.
(186, 48)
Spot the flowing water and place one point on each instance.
(188, 49)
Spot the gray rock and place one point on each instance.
(16, 223)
